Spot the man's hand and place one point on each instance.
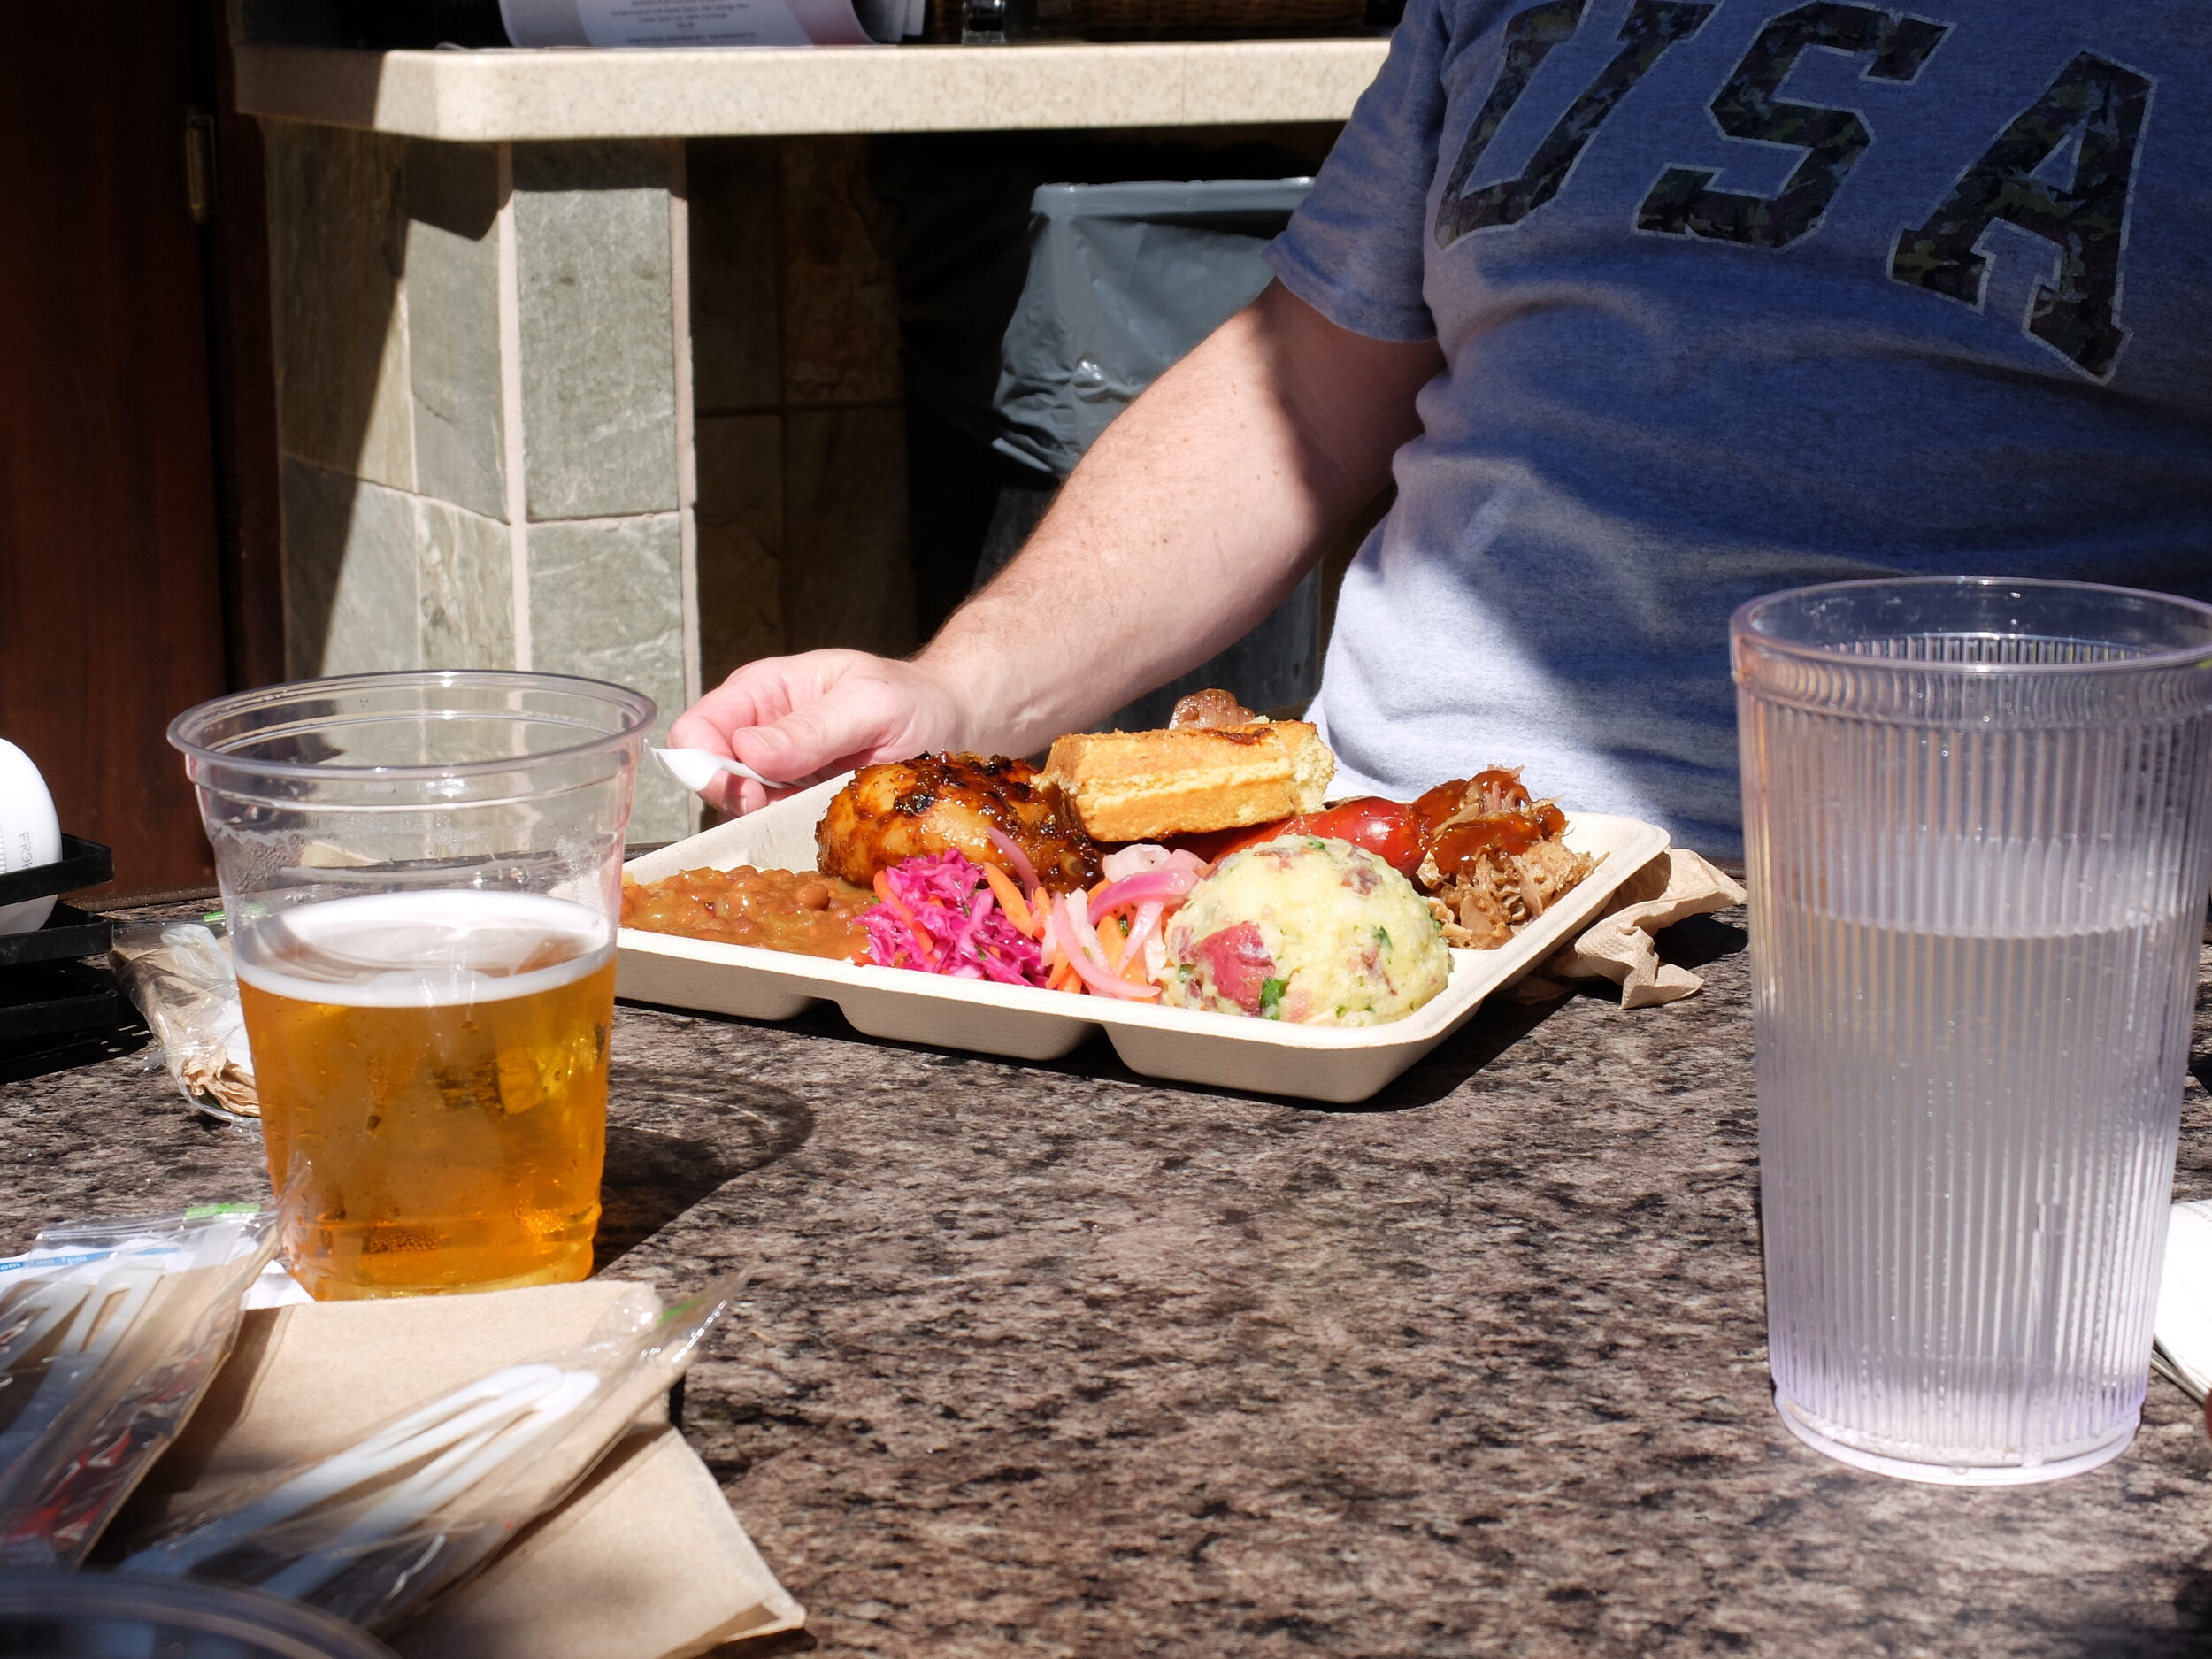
(790, 717)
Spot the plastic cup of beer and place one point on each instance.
(422, 876)
(1978, 825)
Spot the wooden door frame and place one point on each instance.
(235, 255)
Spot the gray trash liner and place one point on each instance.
(1124, 280)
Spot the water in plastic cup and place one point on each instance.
(1979, 835)
(422, 873)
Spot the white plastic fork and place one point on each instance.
(93, 1333)
(697, 768)
(464, 1435)
(44, 1304)
(438, 1483)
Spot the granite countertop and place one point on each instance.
(1052, 1360)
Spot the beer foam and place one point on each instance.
(433, 949)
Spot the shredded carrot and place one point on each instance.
(1134, 970)
(1064, 977)
(1111, 937)
(1010, 901)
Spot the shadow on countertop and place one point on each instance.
(672, 1140)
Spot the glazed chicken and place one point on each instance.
(891, 811)
(1493, 858)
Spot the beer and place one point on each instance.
(434, 1064)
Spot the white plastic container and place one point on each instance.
(1024, 1023)
(30, 835)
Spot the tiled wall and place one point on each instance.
(480, 358)
(501, 369)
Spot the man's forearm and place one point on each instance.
(1190, 518)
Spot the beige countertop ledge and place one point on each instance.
(497, 96)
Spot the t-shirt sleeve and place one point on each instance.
(1353, 251)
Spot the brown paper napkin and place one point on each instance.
(1618, 945)
(644, 1560)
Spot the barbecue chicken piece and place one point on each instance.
(1494, 859)
(891, 811)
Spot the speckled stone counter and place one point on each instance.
(1054, 1361)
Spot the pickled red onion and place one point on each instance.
(1160, 886)
(1132, 860)
(1148, 919)
(1079, 944)
(1018, 863)
(1142, 934)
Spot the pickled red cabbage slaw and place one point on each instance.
(942, 913)
(939, 912)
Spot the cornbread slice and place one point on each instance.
(1141, 785)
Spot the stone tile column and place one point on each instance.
(484, 393)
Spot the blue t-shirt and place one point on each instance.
(1734, 298)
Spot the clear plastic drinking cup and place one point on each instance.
(100, 1615)
(422, 877)
(1977, 818)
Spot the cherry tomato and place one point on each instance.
(1386, 829)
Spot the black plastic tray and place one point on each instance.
(25, 1058)
(68, 932)
(39, 999)
(82, 863)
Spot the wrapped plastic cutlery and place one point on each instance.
(372, 1531)
(110, 1332)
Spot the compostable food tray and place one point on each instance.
(1024, 1023)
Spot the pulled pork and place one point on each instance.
(1493, 858)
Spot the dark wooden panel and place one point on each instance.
(111, 594)
(244, 401)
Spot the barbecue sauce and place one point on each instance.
(1507, 823)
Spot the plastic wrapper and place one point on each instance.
(371, 1532)
(110, 1332)
(180, 976)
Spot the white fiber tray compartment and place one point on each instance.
(1023, 1023)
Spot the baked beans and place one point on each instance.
(798, 911)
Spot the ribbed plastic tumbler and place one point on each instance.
(1977, 818)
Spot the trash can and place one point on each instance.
(1124, 280)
